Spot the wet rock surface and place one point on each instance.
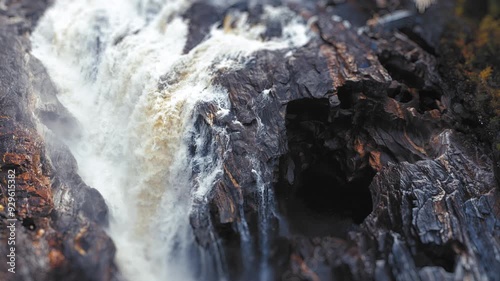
(359, 150)
(59, 219)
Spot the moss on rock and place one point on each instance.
(470, 62)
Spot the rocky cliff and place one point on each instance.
(59, 220)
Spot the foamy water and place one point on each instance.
(120, 71)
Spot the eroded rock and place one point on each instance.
(353, 135)
(59, 220)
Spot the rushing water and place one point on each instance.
(120, 70)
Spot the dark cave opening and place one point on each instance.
(316, 190)
(324, 192)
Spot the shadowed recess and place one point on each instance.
(315, 191)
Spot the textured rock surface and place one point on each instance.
(60, 220)
(354, 136)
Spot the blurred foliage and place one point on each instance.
(472, 46)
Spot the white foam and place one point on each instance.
(422, 5)
(108, 59)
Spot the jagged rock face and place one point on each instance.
(59, 220)
(446, 199)
(353, 134)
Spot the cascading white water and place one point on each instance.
(121, 72)
(264, 214)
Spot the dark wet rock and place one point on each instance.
(443, 198)
(353, 136)
(201, 16)
(59, 220)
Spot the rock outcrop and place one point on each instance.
(59, 220)
(358, 153)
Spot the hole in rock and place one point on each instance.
(29, 223)
(345, 97)
(400, 92)
(402, 70)
(323, 190)
(428, 100)
(317, 193)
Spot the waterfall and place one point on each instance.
(266, 203)
(120, 70)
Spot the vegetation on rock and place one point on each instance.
(472, 48)
(470, 61)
